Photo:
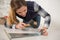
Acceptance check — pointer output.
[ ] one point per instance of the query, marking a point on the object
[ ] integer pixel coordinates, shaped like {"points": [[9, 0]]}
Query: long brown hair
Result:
{"points": [[14, 5]]}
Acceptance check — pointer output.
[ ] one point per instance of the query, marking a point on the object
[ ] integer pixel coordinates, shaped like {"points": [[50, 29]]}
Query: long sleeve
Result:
{"points": [[44, 14]]}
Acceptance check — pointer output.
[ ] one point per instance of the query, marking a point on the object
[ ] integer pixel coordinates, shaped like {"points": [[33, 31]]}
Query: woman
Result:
{"points": [[27, 10]]}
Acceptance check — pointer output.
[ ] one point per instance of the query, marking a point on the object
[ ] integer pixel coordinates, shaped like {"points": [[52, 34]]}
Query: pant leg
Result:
{"points": [[37, 19]]}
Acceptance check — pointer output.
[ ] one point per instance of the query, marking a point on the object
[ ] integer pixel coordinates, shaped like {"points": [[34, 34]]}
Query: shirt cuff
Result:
{"points": [[13, 26], [45, 25]]}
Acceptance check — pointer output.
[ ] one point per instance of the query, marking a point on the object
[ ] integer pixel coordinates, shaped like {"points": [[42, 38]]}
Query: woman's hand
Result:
{"points": [[43, 31], [20, 25]]}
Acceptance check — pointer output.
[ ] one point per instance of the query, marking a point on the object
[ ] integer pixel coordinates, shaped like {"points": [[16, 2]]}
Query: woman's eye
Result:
{"points": [[24, 10], [19, 12]]}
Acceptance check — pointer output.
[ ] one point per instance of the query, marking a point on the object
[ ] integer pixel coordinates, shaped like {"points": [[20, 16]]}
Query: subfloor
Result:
{"points": [[54, 34]]}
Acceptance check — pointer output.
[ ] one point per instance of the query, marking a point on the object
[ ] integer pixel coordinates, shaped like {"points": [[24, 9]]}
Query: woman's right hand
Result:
{"points": [[20, 25]]}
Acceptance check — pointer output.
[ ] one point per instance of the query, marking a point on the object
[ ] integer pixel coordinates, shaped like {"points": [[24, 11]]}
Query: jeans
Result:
{"points": [[37, 19]]}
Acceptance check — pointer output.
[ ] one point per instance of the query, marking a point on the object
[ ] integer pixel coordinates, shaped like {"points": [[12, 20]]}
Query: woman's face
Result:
{"points": [[22, 11]]}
